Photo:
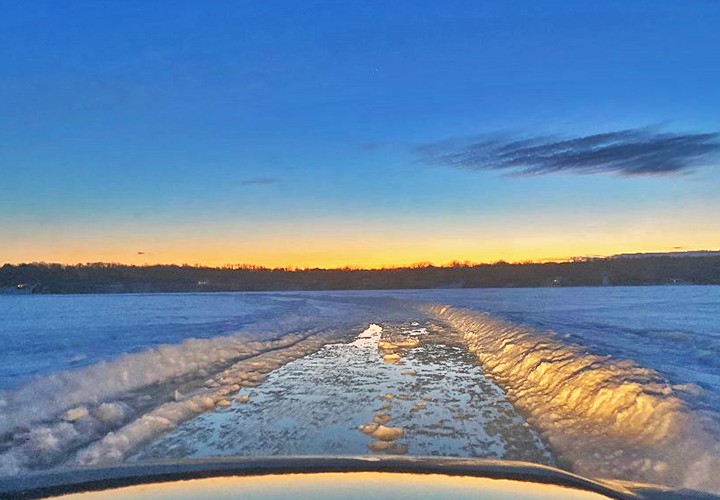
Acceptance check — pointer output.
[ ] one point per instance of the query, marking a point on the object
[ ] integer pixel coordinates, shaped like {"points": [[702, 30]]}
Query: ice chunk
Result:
{"points": [[76, 413]]}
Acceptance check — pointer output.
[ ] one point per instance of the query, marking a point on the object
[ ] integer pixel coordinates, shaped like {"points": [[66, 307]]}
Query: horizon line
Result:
{"points": [[348, 267]]}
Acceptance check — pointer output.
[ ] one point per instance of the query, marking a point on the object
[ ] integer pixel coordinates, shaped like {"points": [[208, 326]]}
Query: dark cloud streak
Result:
{"points": [[635, 152]]}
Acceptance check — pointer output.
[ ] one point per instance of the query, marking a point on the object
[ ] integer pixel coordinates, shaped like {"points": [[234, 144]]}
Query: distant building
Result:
{"points": [[19, 289]]}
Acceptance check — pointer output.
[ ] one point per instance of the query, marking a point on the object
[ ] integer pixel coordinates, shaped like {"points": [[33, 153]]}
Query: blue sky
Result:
{"points": [[287, 133]]}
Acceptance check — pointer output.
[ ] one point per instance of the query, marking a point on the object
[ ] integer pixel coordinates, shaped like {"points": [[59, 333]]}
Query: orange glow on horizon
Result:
{"points": [[360, 243], [341, 258]]}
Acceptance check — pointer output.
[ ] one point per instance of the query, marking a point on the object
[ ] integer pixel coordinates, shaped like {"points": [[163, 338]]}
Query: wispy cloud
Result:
{"points": [[260, 181], [634, 152]]}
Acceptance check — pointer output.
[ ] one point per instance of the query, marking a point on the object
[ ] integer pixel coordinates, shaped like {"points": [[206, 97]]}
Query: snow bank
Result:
{"points": [[605, 417], [108, 409]]}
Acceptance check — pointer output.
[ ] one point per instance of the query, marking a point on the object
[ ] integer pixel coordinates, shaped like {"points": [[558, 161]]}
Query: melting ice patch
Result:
{"points": [[345, 400]]}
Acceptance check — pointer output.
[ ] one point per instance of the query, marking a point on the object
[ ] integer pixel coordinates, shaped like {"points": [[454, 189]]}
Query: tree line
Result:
{"points": [[120, 278]]}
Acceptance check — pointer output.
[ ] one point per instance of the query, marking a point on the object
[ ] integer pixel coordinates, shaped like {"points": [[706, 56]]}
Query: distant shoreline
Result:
{"points": [[211, 292], [651, 270]]}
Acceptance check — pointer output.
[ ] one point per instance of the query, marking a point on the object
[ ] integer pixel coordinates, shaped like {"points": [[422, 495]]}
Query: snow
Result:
{"points": [[620, 382]]}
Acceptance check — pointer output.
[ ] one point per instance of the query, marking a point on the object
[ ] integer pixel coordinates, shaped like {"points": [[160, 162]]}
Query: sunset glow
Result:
{"points": [[332, 244], [280, 147]]}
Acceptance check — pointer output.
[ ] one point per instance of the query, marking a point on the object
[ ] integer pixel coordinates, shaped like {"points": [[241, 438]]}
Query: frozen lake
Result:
{"points": [[632, 373]]}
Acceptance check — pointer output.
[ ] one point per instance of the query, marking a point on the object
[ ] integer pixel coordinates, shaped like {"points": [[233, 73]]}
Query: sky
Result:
{"points": [[367, 133]]}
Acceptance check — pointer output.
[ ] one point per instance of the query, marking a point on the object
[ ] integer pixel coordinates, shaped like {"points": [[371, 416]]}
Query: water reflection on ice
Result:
{"points": [[345, 399]]}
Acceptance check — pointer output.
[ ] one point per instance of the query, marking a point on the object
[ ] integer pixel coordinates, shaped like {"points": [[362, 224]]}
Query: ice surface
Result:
{"points": [[345, 400], [109, 408], [369, 338], [619, 382], [605, 417]]}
